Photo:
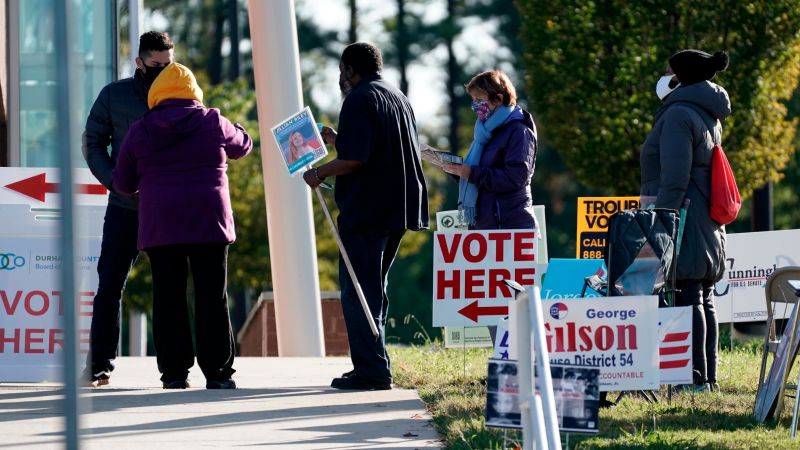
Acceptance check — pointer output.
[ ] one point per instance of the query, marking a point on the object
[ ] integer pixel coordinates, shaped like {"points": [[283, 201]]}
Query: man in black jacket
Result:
{"points": [[118, 105]]}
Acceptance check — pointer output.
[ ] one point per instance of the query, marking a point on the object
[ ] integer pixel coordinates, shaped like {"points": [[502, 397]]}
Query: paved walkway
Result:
{"points": [[282, 403]]}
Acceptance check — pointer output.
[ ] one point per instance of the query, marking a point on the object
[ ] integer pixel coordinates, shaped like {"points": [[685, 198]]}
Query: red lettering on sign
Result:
{"points": [[448, 253], [29, 304], [496, 277], [524, 245], [481, 253], [443, 283], [473, 280], [30, 339], [10, 308], [525, 275], [56, 338], [603, 338], [4, 340], [85, 304], [499, 240]]}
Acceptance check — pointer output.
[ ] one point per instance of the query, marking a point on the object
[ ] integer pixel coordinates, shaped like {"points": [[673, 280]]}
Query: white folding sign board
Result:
{"points": [[31, 304], [469, 268], [614, 334], [751, 258]]}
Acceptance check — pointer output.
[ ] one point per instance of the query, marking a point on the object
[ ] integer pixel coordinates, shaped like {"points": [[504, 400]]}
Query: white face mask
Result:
{"points": [[662, 87]]}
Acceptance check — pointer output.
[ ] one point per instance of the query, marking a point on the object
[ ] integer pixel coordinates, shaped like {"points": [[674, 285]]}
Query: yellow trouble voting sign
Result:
{"points": [[593, 215]]}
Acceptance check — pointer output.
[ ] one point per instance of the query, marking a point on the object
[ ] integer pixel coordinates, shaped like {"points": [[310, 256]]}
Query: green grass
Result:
{"points": [[451, 383]]}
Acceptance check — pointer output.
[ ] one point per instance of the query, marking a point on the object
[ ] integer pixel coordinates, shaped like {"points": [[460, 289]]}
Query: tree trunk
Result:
{"points": [[215, 59], [452, 78], [233, 27], [352, 33], [402, 46]]}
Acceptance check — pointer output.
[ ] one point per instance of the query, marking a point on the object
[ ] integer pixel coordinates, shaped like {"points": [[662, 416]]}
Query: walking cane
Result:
{"points": [[346, 258]]}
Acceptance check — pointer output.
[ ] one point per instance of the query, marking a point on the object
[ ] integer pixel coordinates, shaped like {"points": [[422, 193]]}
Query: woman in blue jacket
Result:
{"points": [[494, 188]]}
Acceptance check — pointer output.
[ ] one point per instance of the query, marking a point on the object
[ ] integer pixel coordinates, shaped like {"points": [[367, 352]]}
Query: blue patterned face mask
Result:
{"points": [[481, 109]]}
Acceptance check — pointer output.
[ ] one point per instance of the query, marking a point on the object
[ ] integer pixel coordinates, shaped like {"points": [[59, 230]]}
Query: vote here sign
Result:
{"points": [[468, 272]]}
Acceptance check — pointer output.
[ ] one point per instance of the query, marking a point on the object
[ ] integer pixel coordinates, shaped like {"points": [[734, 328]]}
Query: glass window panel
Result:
{"points": [[93, 49]]}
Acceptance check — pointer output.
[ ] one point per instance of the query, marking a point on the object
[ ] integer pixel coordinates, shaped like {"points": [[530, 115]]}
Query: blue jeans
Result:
{"points": [[371, 254], [118, 253]]}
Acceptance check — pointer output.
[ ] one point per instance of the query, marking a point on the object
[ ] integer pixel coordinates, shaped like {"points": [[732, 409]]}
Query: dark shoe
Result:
{"points": [[349, 374], [356, 382], [221, 384], [176, 384], [89, 379]]}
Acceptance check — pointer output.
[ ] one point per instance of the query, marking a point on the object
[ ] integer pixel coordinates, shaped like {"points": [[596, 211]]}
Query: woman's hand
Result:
{"points": [[462, 170], [328, 135]]}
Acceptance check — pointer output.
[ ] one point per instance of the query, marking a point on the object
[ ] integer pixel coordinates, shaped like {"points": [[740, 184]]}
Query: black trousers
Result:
{"points": [[212, 327], [371, 254], [699, 294], [118, 253]]}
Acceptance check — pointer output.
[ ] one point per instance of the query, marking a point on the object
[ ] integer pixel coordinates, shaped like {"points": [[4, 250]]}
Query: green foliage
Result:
{"points": [[452, 382], [592, 68]]}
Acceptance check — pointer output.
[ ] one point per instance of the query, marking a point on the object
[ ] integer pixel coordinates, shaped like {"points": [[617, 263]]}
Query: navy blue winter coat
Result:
{"points": [[504, 176]]}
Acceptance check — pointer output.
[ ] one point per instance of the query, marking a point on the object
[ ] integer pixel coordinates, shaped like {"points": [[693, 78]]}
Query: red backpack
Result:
{"points": [[724, 201]]}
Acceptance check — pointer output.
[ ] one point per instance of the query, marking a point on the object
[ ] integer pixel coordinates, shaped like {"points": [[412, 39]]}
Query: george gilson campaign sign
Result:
{"points": [[614, 334], [468, 272]]}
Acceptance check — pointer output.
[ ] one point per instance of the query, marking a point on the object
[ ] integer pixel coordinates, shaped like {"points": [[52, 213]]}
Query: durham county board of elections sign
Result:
{"points": [[751, 259], [593, 215], [615, 334], [468, 272], [31, 303]]}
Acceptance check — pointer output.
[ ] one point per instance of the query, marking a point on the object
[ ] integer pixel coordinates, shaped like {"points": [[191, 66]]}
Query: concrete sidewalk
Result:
{"points": [[281, 403]]}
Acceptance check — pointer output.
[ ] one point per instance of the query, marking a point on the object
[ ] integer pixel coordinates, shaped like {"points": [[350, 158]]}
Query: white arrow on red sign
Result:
{"points": [[37, 186]]}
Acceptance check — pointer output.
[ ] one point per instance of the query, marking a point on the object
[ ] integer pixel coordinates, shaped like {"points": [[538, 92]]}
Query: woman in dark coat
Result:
{"points": [[176, 158], [676, 165], [494, 189]]}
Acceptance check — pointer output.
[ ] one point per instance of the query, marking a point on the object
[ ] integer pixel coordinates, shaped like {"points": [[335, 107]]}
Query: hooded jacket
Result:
{"points": [[504, 174], [675, 161], [175, 157]]}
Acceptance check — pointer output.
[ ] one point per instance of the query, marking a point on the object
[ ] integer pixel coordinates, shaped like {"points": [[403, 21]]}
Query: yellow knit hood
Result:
{"points": [[176, 81]]}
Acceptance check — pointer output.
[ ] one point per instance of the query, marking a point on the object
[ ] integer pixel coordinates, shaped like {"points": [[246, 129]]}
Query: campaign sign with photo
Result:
{"points": [[576, 391], [577, 395], [469, 268], [614, 334], [502, 395], [299, 141], [750, 260]]}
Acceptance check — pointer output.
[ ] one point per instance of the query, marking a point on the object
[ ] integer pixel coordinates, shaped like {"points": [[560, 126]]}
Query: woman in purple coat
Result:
{"points": [[175, 158], [494, 189]]}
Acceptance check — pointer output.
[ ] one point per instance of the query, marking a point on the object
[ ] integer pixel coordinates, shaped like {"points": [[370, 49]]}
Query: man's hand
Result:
{"points": [[328, 135], [462, 170], [312, 178]]}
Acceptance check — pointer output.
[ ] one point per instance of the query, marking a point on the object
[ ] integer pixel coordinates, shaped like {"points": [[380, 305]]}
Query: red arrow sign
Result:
{"points": [[473, 311], [36, 187]]}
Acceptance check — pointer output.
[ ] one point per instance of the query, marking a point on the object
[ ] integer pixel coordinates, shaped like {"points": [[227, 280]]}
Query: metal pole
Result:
{"points": [[543, 368], [353, 278], [135, 21], [65, 79], [290, 219]]}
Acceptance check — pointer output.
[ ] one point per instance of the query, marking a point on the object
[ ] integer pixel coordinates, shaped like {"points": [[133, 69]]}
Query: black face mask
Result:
{"points": [[151, 74]]}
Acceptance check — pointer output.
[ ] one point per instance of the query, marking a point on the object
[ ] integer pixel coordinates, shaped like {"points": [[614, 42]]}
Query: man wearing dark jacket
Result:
{"points": [[380, 192], [118, 105]]}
